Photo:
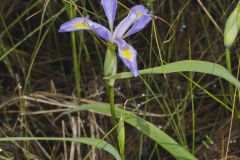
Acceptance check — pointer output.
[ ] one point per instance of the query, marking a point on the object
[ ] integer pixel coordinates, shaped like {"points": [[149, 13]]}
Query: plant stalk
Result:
{"points": [[111, 102], [229, 67], [110, 68], [228, 59]]}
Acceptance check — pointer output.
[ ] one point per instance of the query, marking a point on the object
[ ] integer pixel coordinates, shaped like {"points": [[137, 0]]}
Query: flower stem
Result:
{"points": [[110, 68], [111, 102], [228, 59], [229, 67]]}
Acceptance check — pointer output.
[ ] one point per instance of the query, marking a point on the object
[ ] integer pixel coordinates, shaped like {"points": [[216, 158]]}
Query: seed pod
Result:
{"points": [[110, 64], [232, 27]]}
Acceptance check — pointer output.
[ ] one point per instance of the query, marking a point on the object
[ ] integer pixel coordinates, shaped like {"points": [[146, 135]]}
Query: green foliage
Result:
{"points": [[99, 143], [185, 66], [150, 130]]}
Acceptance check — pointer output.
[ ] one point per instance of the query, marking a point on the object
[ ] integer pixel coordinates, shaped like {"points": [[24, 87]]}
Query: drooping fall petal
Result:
{"points": [[80, 23], [101, 31], [75, 24], [128, 55]]}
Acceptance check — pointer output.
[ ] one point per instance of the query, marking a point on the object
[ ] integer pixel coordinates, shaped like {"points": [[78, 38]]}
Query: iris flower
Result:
{"points": [[135, 21]]}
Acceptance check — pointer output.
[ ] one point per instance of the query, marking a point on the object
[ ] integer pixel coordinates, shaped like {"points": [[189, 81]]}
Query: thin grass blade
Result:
{"points": [[99, 143]]}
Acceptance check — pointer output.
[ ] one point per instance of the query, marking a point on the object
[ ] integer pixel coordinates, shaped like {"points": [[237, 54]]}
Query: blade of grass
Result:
{"points": [[99, 143], [30, 34], [185, 66], [19, 17], [76, 69], [121, 137], [34, 55]]}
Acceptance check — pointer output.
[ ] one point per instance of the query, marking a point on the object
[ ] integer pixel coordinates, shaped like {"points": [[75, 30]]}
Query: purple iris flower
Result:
{"points": [[136, 20]]}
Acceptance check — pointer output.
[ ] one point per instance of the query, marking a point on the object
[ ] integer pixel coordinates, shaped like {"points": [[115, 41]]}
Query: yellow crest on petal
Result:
{"points": [[139, 15], [80, 25], [127, 54]]}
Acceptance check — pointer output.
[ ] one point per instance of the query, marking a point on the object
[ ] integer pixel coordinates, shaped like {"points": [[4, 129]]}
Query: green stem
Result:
{"points": [[112, 106], [228, 59], [229, 67], [110, 68]]}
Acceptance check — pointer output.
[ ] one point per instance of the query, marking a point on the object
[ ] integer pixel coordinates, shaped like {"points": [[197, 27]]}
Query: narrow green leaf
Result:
{"points": [[121, 136], [99, 143], [232, 27], [156, 134], [185, 66]]}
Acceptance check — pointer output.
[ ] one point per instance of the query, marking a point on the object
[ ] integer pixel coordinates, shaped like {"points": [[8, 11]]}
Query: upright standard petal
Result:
{"points": [[101, 31], [110, 8], [143, 19], [124, 25], [75, 24], [128, 55]]}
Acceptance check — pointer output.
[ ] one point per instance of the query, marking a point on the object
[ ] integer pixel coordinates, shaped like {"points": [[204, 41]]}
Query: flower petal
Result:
{"points": [[142, 20], [75, 24], [110, 7], [138, 25], [101, 31], [124, 25], [128, 55], [80, 23], [140, 9]]}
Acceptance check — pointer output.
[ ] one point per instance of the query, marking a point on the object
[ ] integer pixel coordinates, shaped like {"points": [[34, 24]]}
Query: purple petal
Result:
{"points": [[101, 31], [128, 55], [110, 7], [143, 18], [140, 9], [124, 25], [121, 43], [75, 24], [139, 25]]}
